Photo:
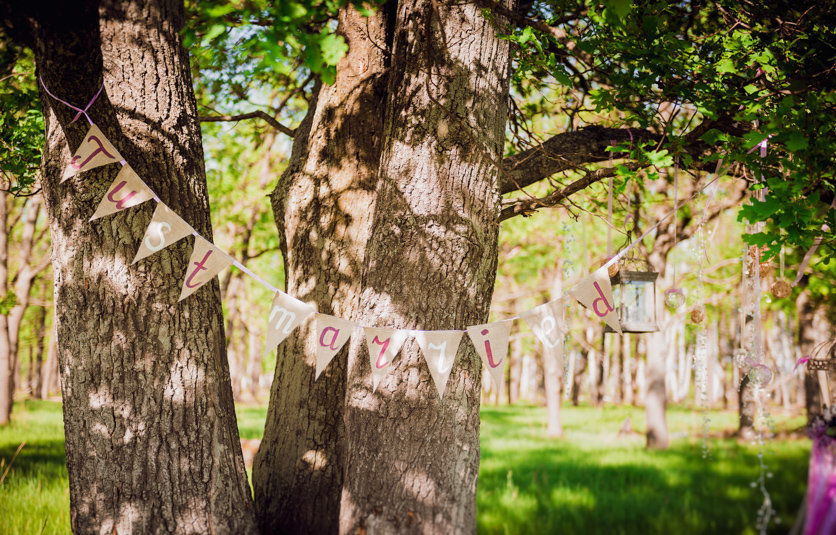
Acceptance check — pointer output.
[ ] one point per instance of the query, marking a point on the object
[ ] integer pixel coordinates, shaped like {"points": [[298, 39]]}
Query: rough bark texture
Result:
{"points": [[412, 461], [151, 438], [387, 215], [322, 209]]}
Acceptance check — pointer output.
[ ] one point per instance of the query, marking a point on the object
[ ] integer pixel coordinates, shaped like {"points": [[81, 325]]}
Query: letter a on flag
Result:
{"points": [[331, 335], [595, 293], [126, 191], [165, 228], [439, 348], [94, 151], [286, 313], [206, 262], [384, 345], [491, 342], [547, 323]]}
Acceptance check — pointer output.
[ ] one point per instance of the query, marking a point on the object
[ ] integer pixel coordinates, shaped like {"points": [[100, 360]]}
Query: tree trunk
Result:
{"points": [[629, 382], [36, 364], [151, 438], [807, 340], [6, 362], [50, 380]]}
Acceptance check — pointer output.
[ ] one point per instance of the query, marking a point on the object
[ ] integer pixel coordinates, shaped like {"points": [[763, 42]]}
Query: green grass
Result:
{"points": [[589, 482]]}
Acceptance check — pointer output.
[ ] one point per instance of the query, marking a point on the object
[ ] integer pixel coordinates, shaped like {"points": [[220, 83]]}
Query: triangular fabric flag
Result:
{"points": [[595, 293], [94, 151], [165, 228], [384, 345], [491, 342], [286, 313], [331, 335], [439, 348], [547, 323], [206, 262], [126, 191]]}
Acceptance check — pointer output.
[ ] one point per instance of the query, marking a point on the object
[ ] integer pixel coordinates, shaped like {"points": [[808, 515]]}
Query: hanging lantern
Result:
{"points": [[634, 293]]}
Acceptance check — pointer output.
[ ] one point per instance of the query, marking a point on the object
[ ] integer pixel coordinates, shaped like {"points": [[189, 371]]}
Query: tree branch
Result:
{"points": [[252, 115], [526, 206]]}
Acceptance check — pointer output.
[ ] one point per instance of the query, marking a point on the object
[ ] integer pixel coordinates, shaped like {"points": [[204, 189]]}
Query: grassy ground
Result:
{"points": [[592, 481]]}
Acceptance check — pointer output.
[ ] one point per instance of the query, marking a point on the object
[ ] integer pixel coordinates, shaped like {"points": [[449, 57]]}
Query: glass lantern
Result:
{"points": [[634, 293]]}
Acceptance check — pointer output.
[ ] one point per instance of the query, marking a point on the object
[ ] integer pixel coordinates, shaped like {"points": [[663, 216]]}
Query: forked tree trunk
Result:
{"points": [[387, 215], [151, 438]]}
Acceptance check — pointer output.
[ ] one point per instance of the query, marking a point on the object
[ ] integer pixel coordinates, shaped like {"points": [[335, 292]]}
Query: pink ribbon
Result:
{"points": [[802, 360], [79, 110]]}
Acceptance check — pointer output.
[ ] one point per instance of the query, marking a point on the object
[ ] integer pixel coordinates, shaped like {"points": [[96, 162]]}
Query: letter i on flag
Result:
{"points": [[439, 348], [206, 262], [126, 191], [384, 345], [595, 293], [94, 151], [547, 323], [491, 342], [165, 228], [286, 313], [331, 335]]}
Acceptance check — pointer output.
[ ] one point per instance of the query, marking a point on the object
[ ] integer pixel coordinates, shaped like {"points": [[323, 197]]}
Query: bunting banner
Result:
{"points": [[206, 262], [595, 293], [126, 191], [384, 345], [491, 342], [94, 151], [546, 321], [439, 349], [165, 228], [331, 335], [286, 313]]}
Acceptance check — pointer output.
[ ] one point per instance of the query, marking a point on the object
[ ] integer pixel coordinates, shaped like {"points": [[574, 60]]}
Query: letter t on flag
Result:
{"points": [[206, 262], [595, 293], [491, 342]]}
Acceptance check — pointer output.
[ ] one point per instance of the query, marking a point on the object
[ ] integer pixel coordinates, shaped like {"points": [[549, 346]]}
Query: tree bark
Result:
{"points": [[151, 438], [807, 340]]}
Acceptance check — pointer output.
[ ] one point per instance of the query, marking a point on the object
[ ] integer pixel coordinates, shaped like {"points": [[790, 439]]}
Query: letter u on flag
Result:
{"points": [[331, 335], [126, 191], [491, 342], [384, 345], [94, 151], [165, 228], [206, 262], [439, 348], [547, 323], [595, 293], [286, 313]]}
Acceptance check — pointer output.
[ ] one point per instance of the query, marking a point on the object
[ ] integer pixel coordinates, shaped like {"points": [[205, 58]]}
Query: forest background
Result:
{"points": [[250, 85]]}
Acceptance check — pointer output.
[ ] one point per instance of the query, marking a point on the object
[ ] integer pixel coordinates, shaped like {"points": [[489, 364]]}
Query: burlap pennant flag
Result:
{"points": [[491, 342], [165, 228], [286, 313], [206, 262], [595, 293], [331, 335], [126, 191], [94, 151], [547, 323], [384, 345], [439, 349]]}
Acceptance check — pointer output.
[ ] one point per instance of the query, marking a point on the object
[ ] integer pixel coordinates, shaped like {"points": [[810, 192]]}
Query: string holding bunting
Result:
{"points": [[126, 191], [95, 151], [206, 262], [165, 228]]}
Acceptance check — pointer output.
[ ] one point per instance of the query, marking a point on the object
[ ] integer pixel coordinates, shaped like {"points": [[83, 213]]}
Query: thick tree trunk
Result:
{"points": [[322, 209], [151, 438]]}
